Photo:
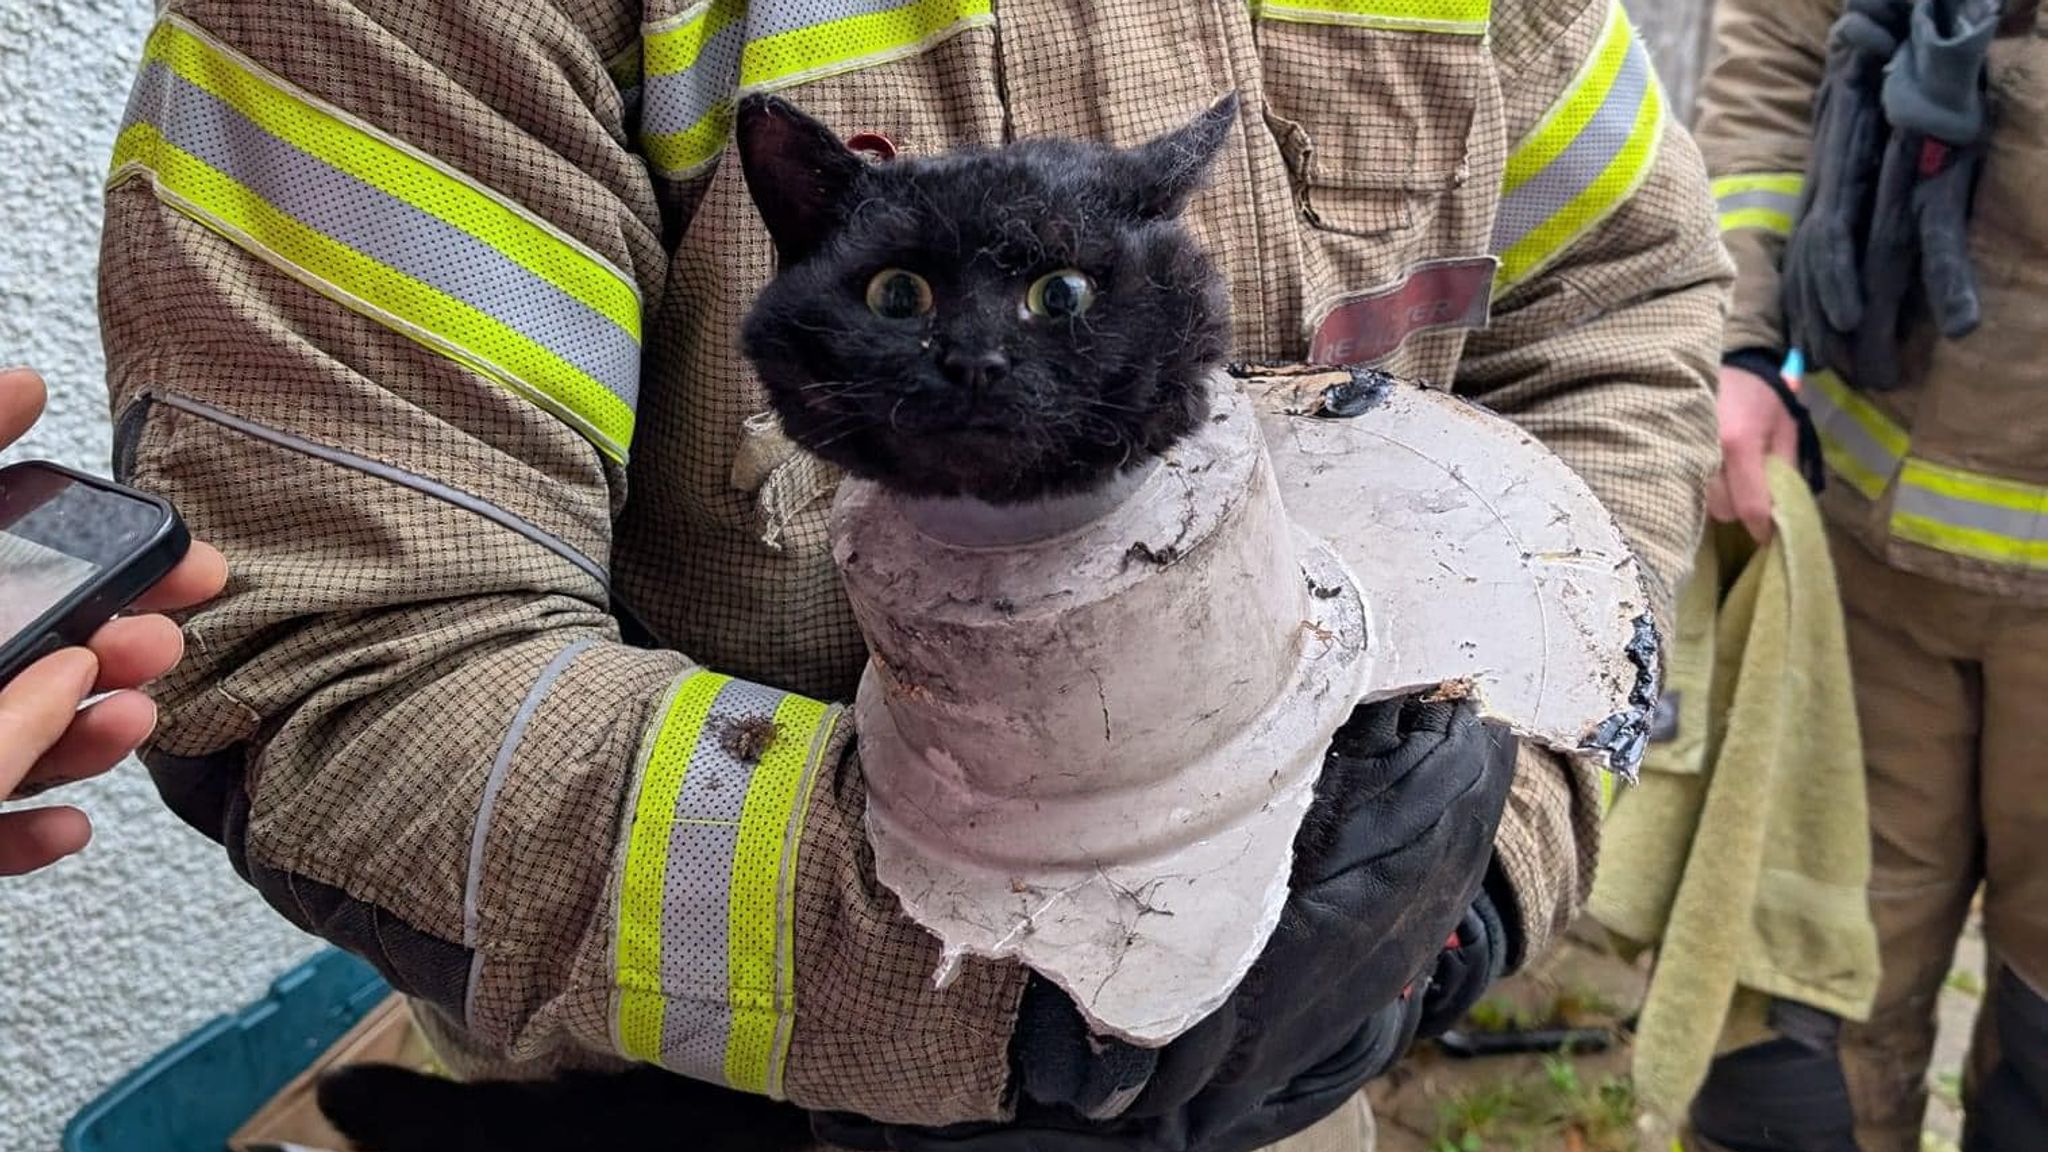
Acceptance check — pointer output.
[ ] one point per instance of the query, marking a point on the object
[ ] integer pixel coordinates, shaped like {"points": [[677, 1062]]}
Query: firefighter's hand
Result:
{"points": [[1387, 864], [45, 740], [1754, 425]]}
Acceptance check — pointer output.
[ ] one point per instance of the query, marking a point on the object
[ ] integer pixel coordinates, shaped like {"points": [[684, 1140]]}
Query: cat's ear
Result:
{"points": [[800, 175], [1166, 171]]}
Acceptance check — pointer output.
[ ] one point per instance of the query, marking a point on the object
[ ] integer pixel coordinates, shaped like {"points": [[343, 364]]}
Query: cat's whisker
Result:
{"points": [[1099, 402], [828, 441]]}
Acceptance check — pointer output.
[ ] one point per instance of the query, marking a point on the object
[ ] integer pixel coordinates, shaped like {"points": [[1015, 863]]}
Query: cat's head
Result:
{"points": [[1002, 324]]}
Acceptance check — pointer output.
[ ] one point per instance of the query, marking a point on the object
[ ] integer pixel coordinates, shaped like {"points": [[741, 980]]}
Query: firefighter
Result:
{"points": [[425, 311], [1877, 166]]}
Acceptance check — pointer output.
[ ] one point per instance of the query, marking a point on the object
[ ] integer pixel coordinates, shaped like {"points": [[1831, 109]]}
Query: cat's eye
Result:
{"points": [[894, 294], [1061, 295]]}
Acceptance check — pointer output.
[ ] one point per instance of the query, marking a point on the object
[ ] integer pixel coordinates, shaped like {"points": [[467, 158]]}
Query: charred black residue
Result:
{"points": [[1624, 735], [1642, 652], [1366, 389], [1162, 556]]}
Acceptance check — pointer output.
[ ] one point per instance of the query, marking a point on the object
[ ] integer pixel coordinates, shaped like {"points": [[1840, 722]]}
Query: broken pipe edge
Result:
{"points": [[1622, 738], [1618, 743]]}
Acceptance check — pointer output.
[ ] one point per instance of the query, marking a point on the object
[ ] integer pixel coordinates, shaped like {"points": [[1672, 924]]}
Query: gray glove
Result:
{"points": [[1934, 98], [1908, 81], [1823, 267]]}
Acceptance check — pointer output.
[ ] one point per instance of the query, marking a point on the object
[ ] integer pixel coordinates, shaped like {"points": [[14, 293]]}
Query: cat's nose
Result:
{"points": [[975, 371]]}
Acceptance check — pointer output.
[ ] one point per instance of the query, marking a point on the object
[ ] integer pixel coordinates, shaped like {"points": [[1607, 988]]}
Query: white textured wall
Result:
{"points": [[115, 953]]}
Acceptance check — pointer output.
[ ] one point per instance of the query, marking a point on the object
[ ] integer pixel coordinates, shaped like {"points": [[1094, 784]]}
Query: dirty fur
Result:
{"points": [[980, 396], [1050, 406]]}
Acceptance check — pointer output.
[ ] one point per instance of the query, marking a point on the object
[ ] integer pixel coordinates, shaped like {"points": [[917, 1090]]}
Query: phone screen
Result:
{"points": [[56, 536]]}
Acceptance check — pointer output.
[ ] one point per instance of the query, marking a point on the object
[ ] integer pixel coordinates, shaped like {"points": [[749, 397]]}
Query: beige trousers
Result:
{"points": [[1952, 696]]}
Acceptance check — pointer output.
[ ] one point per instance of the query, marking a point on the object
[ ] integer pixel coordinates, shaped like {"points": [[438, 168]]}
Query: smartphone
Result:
{"points": [[74, 551]]}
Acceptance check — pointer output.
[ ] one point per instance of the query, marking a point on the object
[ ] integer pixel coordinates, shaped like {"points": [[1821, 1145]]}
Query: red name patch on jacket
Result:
{"points": [[1372, 325]]}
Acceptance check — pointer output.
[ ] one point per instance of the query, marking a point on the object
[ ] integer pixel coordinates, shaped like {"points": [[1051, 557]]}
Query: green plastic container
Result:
{"points": [[193, 1095]]}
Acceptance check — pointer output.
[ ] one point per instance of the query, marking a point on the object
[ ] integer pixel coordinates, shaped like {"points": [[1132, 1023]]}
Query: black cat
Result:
{"points": [[1002, 324]]}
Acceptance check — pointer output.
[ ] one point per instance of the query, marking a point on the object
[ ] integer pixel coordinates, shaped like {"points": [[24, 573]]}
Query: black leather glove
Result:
{"points": [[1387, 865], [1474, 959]]}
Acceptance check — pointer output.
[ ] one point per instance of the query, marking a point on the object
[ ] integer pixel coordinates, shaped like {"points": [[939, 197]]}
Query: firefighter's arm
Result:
{"points": [[1755, 130], [1603, 341], [373, 287]]}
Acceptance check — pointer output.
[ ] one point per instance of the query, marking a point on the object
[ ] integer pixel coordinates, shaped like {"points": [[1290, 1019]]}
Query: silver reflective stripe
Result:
{"points": [[697, 896], [1584, 160], [2011, 523], [386, 229], [383, 471], [487, 806], [1758, 198], [1842, 432], [677, 100]]}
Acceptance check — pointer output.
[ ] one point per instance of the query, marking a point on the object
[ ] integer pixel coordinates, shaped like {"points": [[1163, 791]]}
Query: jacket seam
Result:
{"points": [[395, 475]]}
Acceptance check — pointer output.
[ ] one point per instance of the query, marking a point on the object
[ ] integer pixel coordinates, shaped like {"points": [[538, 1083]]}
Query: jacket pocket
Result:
{"points": [[1374, 123]]}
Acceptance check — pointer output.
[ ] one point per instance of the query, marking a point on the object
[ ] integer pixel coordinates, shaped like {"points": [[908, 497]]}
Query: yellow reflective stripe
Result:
{"points": [[1587, 156], [1567, 119], [1610, 122], [678, 154], [1876, 424], [1838, 460], [1763, 201], [327, 133], [688, 115], [642, 1002], [1954, 510], [706, 949], [853, 42], [696, 63], [761, 956], [1761, 219], [464, 334], [384, 230], [1455, 17], [674, 45], [1974, 486], [1972, 542], [1972, 514], [1782, 183], [1858, 443]]}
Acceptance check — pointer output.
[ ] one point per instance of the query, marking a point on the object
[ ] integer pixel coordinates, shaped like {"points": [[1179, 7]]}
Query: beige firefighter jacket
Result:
{"points": [[424, 311], [1948, 476]]}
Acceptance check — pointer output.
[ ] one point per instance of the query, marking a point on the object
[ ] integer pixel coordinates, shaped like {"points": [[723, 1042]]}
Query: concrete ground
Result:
{"points": [[1434, 1103]]}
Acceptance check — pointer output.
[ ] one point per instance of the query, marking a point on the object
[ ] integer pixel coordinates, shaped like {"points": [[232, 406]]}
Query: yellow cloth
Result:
{"points": [[1743, 855]]}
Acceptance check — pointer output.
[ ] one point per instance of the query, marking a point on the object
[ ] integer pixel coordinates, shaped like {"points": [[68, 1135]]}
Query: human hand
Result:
{"points": [[1388, 863], [1754, 425], [45, 738]]}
